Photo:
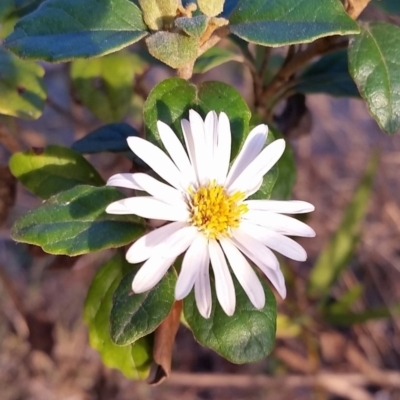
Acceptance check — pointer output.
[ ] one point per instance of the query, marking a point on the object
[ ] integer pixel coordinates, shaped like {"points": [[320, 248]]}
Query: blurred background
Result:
{"points": [[339, 328]]}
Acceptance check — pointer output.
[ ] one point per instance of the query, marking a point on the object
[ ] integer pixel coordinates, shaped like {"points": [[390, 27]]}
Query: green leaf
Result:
{"points": [[390, 6], [374, 63], [171, 100], [6, 7], [194, 26], [105, 84], [283, 22], [337, 253], [22, 89], [247, 336], [173, 49], [134, 316], [330, 74], [348, 318], [213, 58], [283, 187], [133, 360], [159, 13], [46, 172], [211, 8], [62, 30], [75, 222], [111, 137]]}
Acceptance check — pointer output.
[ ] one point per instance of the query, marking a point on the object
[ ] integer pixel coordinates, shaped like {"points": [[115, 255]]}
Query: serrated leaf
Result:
{"points": [[374, 63], [133, 360], [159, 13], [211, 8], [337, 253], [330, 74], [213, 58], [105, 84], [62, 30], [283, 22], [46, 172], [22, 88], [171, 100], [75, 222], [194, 26], [111, 137], [173, 49], [134, 316], [247, 336]]}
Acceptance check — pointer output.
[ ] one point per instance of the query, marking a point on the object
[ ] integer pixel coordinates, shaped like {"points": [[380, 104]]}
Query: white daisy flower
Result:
{"points": [[210, 218]]}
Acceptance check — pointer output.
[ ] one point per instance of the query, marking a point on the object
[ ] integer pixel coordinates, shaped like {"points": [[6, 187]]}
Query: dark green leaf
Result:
{"points": [[61, 30], [133, 360], [75, 222], [390, 6], [171, 100], [194, 26], [287, 174], [337, 253], [247, 336], [22, 89], [111, 137], [52, 170], [105, 84], [330, 74], [6, 7], [283, 22], [173, 49], [134, 316], [374, 63], [213, 58]]}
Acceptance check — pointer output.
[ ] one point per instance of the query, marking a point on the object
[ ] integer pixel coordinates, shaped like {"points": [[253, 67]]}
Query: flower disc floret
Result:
{"points": [[214, 212]]}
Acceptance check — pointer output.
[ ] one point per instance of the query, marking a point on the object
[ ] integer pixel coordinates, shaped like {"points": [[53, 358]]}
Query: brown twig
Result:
{"points": [[317, 48]]}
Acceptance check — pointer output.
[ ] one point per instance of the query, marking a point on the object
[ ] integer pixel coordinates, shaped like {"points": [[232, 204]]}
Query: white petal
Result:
{"points": [[177, 242], [210, 129], [163, 256], [280, 243], [158, 161], [285, 207], [151, 273], [176, 151], [279, 223], [142, 249], [274, 275], [259, 166], [223, 150], [197, 129], [223, 280], [202, 289], [253, 187], [148, 207], [255, 250], [193, 262], [244, 274], [123, 180], [159, 190], [252, 146], [188, 137]]}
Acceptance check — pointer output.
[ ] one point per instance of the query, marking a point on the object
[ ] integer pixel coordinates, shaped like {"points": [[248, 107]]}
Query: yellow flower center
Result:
{"points": [[214, 212]]}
